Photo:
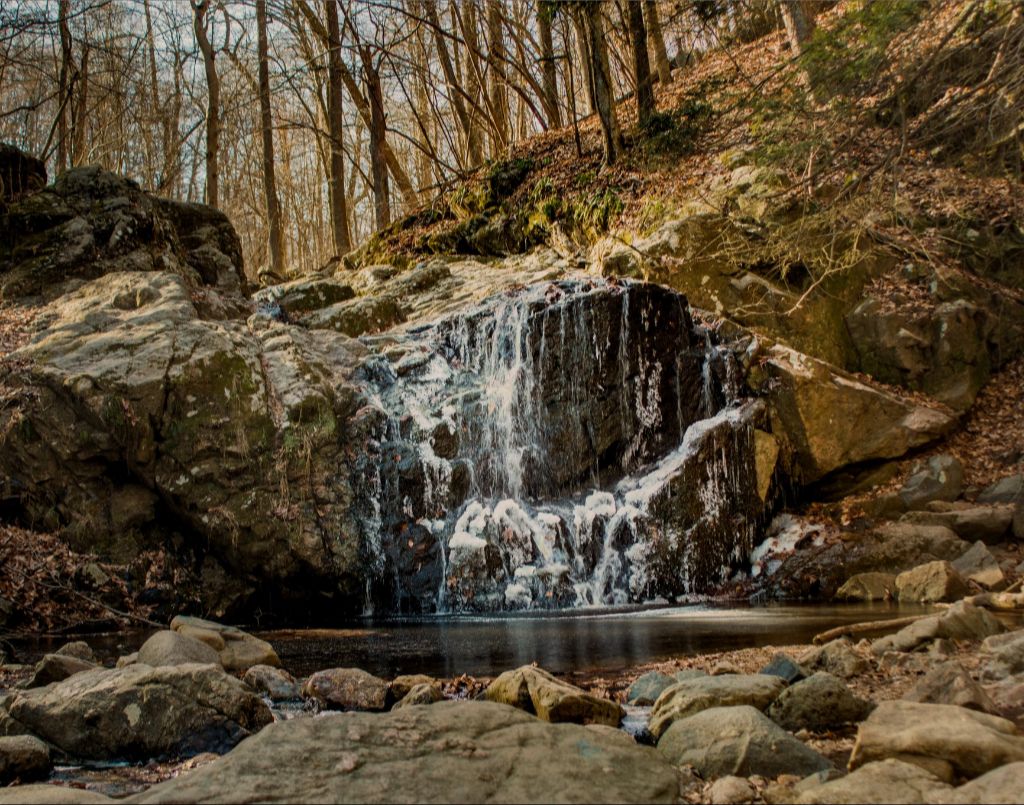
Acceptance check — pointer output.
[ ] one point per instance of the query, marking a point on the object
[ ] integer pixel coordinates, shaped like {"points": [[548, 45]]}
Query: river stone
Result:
{"points": [[885, 781], [420, 694], [833, 419], [239, 652], [819, 703], [979, 565], [402, 684], [989, 524], [449, 752], [868, 587], [347, 689], [646, 688], [536, 691], [276, 683], [962, 621], [731, 790], [56, 667], [935, 581], [785, 668], [684, 699], [23, 758], [1006, 655], [139, 712], [837, 658], [170, 648], [78, 649], [940, 479], [43, 794], [1002, 785], [942, 739], [738, 740], [949, 683]]}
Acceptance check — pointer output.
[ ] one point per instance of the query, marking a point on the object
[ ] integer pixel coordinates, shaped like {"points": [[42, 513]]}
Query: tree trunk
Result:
{"points": [[799, 26], [79, 109], [499, 90], [212, 106], [549, 68], [335, 126], [583, 45], [63, 84], [656, 39], [473, 75], [601, 81], [378, 129], [269, 179], [645, 106]]}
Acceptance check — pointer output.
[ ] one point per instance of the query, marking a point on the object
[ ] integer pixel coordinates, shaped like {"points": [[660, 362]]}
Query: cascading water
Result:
{"points": [[569, 444]]}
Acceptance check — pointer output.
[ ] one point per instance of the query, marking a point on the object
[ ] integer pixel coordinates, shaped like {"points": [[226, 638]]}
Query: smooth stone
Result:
{"points": [[276, 683], [23, 758], [784, 667], [837, 658], [171, 648], [737, 740], [448, 752], [140, 712], [943, 739], [931, 582], [78, 649], [347, 689], [43, 794], [820, 702], [427, 693], [401, 685], [979, 565], [56, 668], [962, 621], [646, 688], [949, 683], [536, 691], [874, 586], [241, 651], [882, 782], [687, 698], [731, 790]]}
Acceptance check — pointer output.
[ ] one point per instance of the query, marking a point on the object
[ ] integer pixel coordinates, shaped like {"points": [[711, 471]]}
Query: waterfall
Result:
{"points": [[569, 444]]}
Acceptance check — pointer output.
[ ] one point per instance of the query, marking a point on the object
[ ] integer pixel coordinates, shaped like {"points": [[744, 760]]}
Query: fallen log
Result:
{"points": [[867, 627]]}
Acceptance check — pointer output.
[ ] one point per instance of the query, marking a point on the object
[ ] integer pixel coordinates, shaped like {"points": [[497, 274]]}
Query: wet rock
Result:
{"points": [[536, 691], [949, 683], [347, 689], [685, 699], [368, 314], [833, 419], [1006, 655], [43, 794], [23, 758], [962, 621], [940, 479], [403, 684], [420, 694], [56, 667], [990, 524], [935, 581], [1001, 785], [78, 649], [737, 740], [237, 650], [646, 688], [979, 565], [141, 712], [731, 790], [276, 683], [885, 781], [837, 658], [942, 739], [470, 751], [868, 587], [170, 648], [303, 295], [784, 667], [819, 703]]}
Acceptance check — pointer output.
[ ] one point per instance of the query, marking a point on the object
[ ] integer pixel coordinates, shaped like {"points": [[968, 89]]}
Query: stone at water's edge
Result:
{"points": [[347, 689], [448, 752], [170, 648], [536, 691], [689, 697], [236, 650]]}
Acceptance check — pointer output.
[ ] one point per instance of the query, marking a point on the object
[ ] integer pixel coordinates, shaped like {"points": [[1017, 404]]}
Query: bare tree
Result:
{"points": [[656, 41], [200, 8], [335, 124], [545, 11], [592, 23], [276, 245], [645, 106]]}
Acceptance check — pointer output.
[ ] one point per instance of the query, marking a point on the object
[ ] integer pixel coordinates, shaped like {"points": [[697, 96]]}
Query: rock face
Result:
{"points": [[942, 739], [737, 740], [818, 703], [347, 689], [23, 758], [691, 696], [139, 712], [450, 751], [536, 691]]}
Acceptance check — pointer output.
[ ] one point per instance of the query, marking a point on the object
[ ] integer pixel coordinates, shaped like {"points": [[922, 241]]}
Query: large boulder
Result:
{"points": [[832, 419], [236, 650], [451, 751], [170, 648], [139, 712], [882, 782], [691, 696], [873, 586], [737, 740], [536, 691], [23, 758], [819, 703], [942, 739], [935, 581], [347, 689]]}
